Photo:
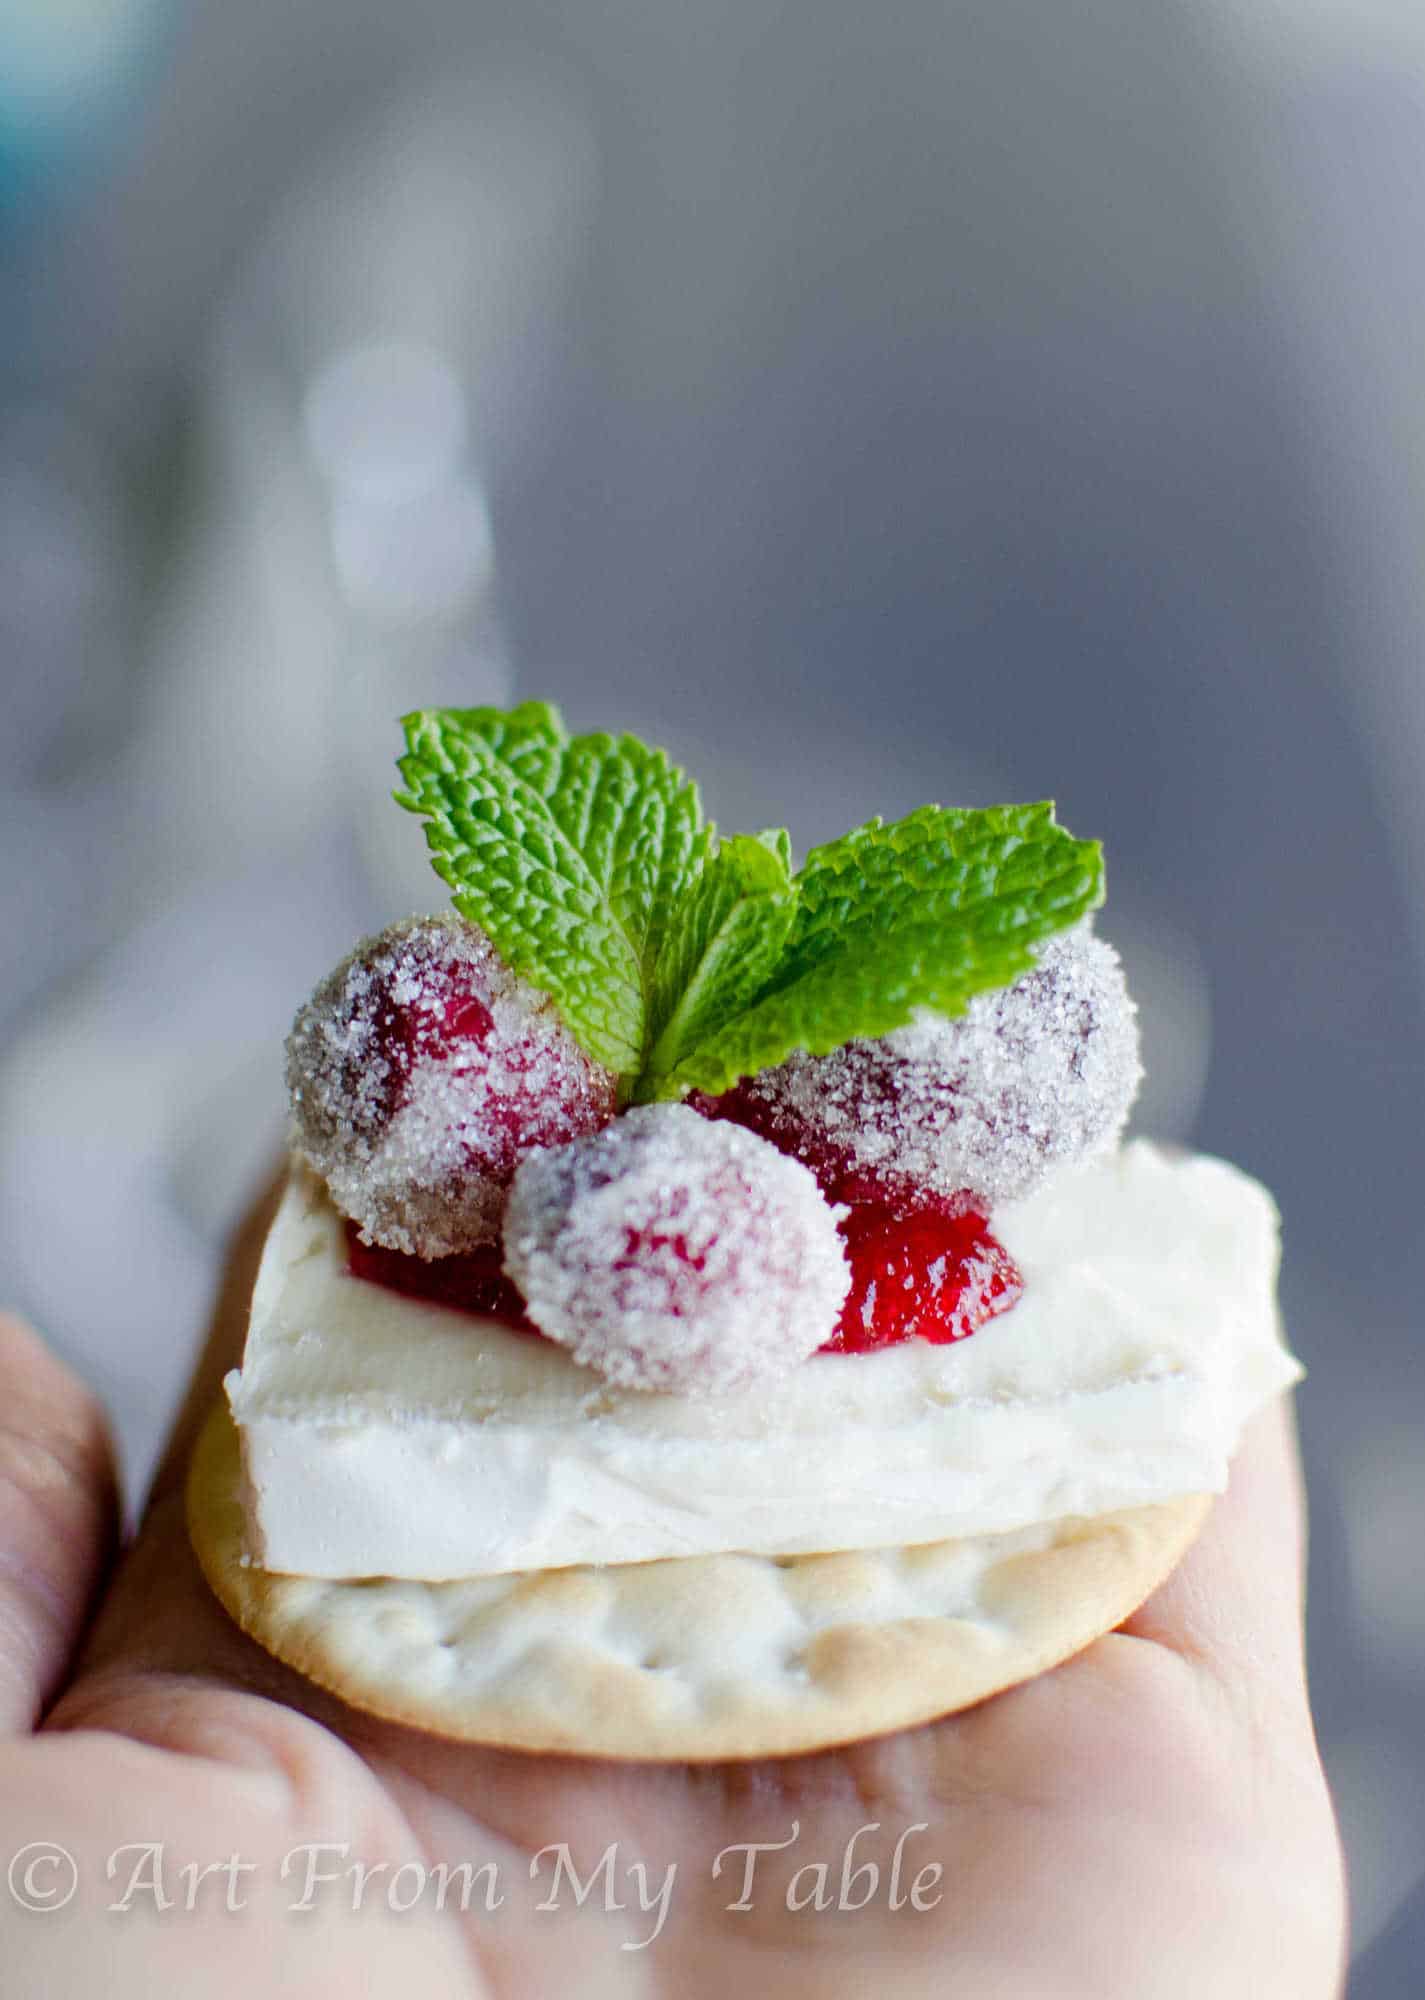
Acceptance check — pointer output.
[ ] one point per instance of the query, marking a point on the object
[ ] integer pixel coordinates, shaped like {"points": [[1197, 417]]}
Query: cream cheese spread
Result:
{"points": [[383, 1435]]}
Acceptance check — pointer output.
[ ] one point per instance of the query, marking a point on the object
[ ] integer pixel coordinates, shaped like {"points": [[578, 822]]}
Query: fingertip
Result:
{"points": [[43, 1392], [59, 1516]]}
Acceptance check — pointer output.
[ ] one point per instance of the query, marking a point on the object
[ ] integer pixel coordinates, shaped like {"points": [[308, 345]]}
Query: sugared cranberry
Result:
{"points": [[1031, 1075], [929, 1274], [421, 1072], [674, 1253]]}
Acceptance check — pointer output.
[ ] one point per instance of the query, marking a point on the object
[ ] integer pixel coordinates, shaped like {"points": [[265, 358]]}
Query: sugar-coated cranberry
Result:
{"points": [[421, 1072], [670, 1252], [1031, 1075]]}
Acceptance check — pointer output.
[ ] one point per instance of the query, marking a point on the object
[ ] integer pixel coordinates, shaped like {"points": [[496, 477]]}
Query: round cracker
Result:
{"points": [[699, 1657]]}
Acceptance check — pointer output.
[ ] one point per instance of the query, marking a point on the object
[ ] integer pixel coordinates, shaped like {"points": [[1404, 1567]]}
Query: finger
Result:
{"points": [[159, 1612], [1235, 1603], [58, 1519]]}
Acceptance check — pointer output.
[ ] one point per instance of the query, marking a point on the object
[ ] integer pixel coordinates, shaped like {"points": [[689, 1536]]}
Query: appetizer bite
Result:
{"points": [[714, 1310]]}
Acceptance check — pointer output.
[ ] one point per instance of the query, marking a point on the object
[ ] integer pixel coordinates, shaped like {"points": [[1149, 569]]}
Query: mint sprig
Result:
{"points": [[685, 963]]}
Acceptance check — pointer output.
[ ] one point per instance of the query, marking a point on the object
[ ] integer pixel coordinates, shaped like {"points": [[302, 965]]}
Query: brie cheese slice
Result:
{"points": [[383, 1435]]}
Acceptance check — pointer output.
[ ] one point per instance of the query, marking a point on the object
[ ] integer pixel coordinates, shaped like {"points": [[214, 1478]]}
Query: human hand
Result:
{"points": [[1149, 1820]]}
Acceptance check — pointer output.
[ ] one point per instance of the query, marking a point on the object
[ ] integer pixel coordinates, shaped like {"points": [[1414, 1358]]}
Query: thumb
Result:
{"points": [[58, 1520]]}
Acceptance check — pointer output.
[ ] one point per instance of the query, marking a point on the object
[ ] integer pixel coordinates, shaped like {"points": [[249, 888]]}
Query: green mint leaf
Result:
{"points": [[570, 852], [892, 920], [530, 738], [721, 947], [638, 823], [777, 841]]}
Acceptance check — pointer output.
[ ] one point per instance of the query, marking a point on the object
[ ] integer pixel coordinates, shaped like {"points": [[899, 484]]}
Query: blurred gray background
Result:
{"points": [[998, 399]]}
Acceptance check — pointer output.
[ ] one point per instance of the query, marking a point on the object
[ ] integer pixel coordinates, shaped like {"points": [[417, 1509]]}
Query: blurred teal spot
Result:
{"points": [[70, 70]]}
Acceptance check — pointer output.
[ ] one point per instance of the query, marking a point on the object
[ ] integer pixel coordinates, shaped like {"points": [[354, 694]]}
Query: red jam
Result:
{"points": [[925, 1274], [931, 1274], [472, 1280]]}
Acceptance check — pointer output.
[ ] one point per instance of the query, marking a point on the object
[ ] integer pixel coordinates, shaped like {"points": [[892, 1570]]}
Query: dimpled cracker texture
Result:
{"points": [[693, 1658]]}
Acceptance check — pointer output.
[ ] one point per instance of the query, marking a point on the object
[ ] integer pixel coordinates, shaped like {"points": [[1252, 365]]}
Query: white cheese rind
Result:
{"points": [[383, 1436]]}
